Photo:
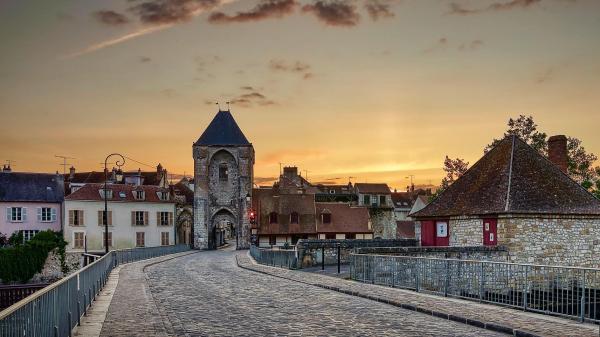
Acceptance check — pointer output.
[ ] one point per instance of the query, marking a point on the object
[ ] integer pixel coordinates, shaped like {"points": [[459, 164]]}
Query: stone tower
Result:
{"points": [[223, 177]]}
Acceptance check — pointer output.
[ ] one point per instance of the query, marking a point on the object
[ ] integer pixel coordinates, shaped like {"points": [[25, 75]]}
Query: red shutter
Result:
{"points": [[490, 233], [427, 233]]}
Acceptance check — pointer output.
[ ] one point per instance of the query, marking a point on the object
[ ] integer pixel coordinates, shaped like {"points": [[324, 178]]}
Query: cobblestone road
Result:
{"points": [[207, 294]]}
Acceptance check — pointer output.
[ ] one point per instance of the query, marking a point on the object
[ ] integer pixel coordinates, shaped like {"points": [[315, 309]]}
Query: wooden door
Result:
{"points": [[427, 233], [490, 235], [442, 233]]}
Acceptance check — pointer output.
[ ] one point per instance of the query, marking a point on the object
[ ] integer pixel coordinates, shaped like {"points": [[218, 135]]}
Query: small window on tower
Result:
{"points": [[294, 218], [223, 172]]}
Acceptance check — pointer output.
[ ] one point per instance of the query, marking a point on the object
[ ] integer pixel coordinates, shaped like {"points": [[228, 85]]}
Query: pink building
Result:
{"points": [[30, 202]]}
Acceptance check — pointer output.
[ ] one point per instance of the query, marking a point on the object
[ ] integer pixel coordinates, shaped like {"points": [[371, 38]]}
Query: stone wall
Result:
{"points": [[310, 251], [555, 240], [383, 222], [465, 231], [52, 270], [480, 253]]}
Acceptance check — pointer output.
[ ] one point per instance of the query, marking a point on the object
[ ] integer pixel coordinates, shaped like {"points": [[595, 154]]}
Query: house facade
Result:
{"points": [[517, 198], [138, 216], [30, 202]]}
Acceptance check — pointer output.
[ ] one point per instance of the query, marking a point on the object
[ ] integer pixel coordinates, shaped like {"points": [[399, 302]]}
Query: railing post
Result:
{"points": [[323, 257], [582, 313], [338, 256], [447, 279], [526, 288], [70, 323], [481, 283], [417, 268], [394, 271]]}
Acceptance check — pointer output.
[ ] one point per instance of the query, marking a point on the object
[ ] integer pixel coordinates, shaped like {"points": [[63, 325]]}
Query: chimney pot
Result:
{"points": [[557, 151]]}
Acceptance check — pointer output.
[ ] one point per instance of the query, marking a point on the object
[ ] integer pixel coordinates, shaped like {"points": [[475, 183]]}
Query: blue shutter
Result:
{"points": [[24, 214], [8, 213], [39, 214], [53, 214]]}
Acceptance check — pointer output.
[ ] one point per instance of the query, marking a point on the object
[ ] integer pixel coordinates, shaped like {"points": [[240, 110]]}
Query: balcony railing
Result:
{"points": [[555, 290], [274, 257], [56, 310]]}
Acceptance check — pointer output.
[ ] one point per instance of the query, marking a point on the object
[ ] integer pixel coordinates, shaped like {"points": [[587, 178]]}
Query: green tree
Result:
{"points": [[454, 169]]}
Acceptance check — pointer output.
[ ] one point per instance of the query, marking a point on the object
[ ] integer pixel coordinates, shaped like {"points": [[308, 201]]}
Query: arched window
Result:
{"points": [[294, 218], [272, 217], [326, 216], [223, 172]]}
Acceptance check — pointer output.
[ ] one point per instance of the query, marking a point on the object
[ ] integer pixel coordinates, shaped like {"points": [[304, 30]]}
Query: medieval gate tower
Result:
{"points": [[223, 177]]}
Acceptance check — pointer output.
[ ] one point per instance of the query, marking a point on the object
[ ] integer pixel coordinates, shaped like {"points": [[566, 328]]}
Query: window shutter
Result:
{"points": [[24, 214], [133, 218], [71, 217], [170, 218], [80, 218], [145, 218], [8, 213], [39, 214], [110, 222], [53, 214], [158, 219], [100, 222]]}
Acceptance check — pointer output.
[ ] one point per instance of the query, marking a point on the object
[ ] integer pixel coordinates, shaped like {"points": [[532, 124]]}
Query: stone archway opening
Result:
{"points": [[222, 229]]}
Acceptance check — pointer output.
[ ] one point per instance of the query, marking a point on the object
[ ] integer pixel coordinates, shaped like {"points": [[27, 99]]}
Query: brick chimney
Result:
{"points": [[290, 172], [71, 173], [557, 151]]}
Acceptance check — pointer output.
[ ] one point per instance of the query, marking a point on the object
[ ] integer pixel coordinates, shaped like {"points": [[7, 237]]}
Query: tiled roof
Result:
{"points": [[266, 201], [223, 130], [181, 189], [121, 192], [513, 178], [402, 199], [368, 188], [344, 218], [38, 187], [150, 177]]}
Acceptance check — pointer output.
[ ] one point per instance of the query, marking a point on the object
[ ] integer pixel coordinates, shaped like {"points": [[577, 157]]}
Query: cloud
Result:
{"points": [[158, 12], [110, 18], [262, 180], [441, 44], [458, 9], [470, 46], [145, 59], [251, 97], [379, 9], [334, 12], [202, 62], [293, 67], [264, 10]]}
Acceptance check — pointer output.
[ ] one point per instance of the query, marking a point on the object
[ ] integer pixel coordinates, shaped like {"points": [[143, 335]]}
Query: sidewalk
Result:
{"points": [[491, 317]]}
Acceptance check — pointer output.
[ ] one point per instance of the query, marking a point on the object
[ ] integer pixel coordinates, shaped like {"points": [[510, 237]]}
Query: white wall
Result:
{"points": [[123, 233]]}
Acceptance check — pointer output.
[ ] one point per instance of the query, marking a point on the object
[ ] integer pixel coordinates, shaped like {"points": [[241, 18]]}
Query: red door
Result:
{"points": [[490, 237], [427, 233], [442, 233]]}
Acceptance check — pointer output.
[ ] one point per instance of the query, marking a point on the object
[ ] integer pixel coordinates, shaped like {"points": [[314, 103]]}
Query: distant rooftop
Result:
{"points": [[33, 187]]}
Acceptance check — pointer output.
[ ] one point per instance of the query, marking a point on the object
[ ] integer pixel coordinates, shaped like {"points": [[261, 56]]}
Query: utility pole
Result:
{"points": [[412, 186], [306, 174], [64, 164]]}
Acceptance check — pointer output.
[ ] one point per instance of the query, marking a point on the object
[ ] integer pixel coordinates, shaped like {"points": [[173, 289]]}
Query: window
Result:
{"points": [[331, 191], [272, 218], [16, 214], [106, 192], [272, 240], [382, 200], [326, 217], [28, 234], [330, 236], [138, 195], [294, 218], [76, 217], [110, 242], [102, 218], [122, 194], [140, 239], [163, 195], [78, 240], [223, 172], [46, 214], [164, 238], [366, 199], [351, 236], [164, 218], [139, 218]]}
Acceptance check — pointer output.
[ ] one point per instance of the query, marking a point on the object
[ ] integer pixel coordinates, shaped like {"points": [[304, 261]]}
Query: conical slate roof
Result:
{"points": [[513, 178], [223, 130]]}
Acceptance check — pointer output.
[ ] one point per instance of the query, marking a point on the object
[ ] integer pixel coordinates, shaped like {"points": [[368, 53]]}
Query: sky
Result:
{"points": [[376, 90]]}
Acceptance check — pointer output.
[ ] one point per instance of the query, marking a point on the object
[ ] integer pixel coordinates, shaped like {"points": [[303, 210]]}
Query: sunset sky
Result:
{"points": [[372, 89]]}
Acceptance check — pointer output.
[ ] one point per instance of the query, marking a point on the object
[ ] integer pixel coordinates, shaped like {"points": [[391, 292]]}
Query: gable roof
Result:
{"points": [[344, 218], [369, 188], [223, 130], [91, 192], [38, 187], [513, 178]]}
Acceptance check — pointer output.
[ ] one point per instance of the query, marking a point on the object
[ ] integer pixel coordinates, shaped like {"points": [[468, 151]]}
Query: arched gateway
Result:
{"points": [[223, 175]]}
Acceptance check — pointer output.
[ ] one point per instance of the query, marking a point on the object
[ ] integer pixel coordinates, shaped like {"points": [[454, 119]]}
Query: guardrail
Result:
{"points": [[554, 290], [10, 294], [55, 310], [277, 258]]}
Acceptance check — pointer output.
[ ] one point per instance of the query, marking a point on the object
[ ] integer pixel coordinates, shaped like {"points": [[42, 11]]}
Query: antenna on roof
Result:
{"points": [[350, 179], [64, 164], [218, 105], [228, 108], [306, 174], [280, 168]]}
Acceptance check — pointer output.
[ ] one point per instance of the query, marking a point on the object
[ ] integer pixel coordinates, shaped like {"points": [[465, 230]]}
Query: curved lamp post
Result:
{"points": [[119, 163]]}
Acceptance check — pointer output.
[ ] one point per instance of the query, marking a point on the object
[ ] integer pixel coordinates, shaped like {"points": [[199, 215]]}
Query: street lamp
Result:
{"points": [[119, 163]]}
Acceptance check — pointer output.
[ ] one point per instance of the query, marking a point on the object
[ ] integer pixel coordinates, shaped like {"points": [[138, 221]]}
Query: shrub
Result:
{"points": [[21, 261]]}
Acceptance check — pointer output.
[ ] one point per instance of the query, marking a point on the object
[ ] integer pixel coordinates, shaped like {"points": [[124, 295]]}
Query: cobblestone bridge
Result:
{"points": [[207, 294]]}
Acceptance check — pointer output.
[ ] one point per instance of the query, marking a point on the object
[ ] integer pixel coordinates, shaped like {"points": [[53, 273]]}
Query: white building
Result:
{"points": [[138, 216]]}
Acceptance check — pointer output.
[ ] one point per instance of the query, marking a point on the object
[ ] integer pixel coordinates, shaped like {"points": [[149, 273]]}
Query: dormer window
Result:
{"points": [[122, 195], [272, 218], [331, 191], [223, 172], [163, 195], [106, 193], [326, 217], [294, 218], [139, 195]]}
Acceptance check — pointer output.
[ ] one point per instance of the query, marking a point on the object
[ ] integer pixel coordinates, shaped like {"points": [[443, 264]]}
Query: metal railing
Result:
{"points": [[276, 258], [55, 310], [554, 290]]}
